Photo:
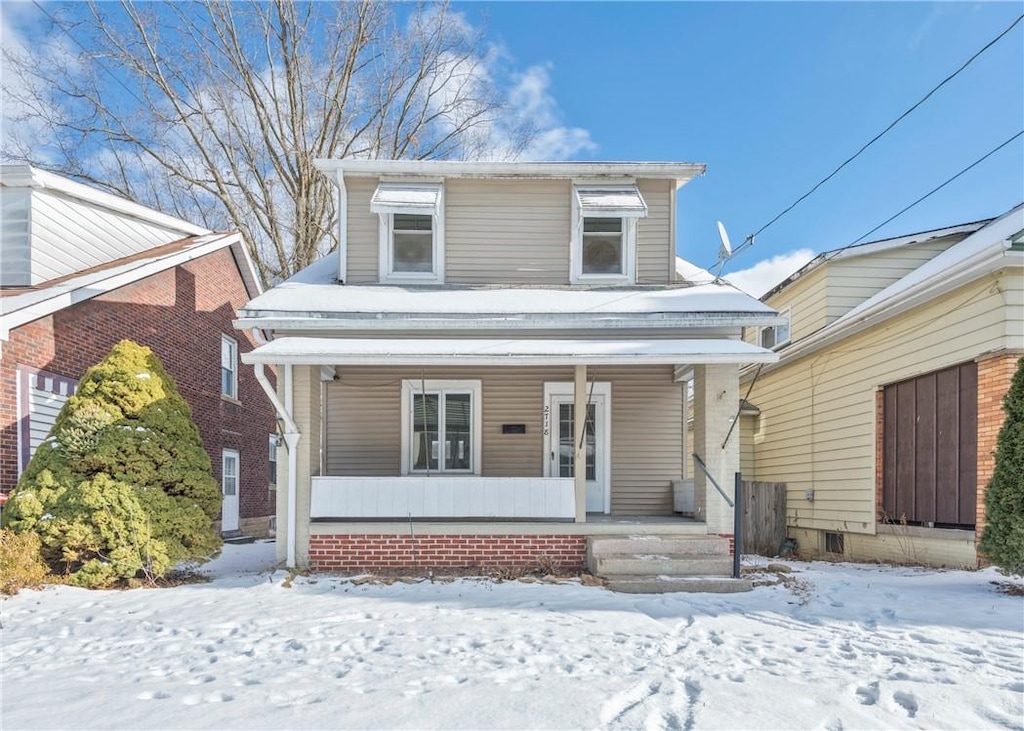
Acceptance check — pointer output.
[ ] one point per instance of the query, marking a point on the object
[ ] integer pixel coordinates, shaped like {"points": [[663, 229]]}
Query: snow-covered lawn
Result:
{"points": [[863, 647]]}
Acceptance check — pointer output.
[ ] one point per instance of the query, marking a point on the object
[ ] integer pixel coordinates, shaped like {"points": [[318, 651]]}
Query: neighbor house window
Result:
{"points": [[228, 367], [273, 459], [604, 233], [441, 425], [775, 336], [411, 232]]}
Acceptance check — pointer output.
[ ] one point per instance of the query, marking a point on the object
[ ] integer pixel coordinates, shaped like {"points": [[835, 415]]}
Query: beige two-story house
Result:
{"points": [[432, 368]]}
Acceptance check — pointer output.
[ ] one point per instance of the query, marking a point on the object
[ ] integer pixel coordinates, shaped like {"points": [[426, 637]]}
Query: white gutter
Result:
{"points": [[458, 321], [680, 171], [291, 440]]}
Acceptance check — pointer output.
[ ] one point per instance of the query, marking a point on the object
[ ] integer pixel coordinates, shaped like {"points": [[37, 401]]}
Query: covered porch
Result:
{"points": [[471, 438]]}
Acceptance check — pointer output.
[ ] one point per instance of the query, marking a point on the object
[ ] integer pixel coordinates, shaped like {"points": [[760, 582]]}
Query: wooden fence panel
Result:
{"points": [[764, 517]]}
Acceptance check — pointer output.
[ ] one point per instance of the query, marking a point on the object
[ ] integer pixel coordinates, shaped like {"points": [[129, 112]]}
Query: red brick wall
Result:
{"points": [[994, 376], [368, 552], [181, 314]]}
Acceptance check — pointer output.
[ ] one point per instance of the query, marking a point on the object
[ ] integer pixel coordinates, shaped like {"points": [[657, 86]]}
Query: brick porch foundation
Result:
{"points": [[368, 552]]}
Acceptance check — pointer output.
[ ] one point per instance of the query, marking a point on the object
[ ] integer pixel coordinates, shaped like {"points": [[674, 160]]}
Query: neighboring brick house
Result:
{"points": [[882, 413], [82, 270]]}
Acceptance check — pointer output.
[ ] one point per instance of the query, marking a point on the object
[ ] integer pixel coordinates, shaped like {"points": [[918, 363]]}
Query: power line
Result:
{"points": [[899, 119], [936, 189]]}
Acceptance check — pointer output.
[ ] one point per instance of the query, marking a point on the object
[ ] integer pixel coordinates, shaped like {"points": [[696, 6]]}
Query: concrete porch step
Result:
{"points": [[668, 584], [661, 545], [660, 565]]}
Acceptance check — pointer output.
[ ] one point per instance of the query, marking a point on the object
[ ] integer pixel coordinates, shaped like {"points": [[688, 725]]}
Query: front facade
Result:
{"points": [[432, 367], [87, 270], [882, 413]]}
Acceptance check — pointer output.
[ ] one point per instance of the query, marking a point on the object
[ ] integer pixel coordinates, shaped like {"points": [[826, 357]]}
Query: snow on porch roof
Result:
{"points": [[428, 352]]}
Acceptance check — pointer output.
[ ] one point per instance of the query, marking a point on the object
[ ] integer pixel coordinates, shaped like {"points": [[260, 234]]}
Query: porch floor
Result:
{"points": [[597, 524]]}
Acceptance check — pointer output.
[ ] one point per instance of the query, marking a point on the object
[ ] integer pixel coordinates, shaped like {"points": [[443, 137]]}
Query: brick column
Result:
{"points": [[994, 375], [715, 400]]}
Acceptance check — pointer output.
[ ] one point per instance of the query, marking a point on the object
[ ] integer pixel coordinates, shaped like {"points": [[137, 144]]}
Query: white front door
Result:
{"points": [[562, 453], [229, 491]]}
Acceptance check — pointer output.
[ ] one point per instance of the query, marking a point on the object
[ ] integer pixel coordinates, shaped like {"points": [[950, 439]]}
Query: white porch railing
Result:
{"points": [[440, 496]]}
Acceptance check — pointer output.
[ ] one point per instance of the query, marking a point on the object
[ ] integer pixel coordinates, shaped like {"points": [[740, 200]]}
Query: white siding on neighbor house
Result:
{"points": [[69, 235], [817, 424], [363, 421], [853, 280], [15, 251], [510, 232], [40, 397]]}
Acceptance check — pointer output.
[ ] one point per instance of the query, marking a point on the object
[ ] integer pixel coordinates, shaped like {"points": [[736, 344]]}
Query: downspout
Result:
{"points": [[291, 440], [342, 217]]}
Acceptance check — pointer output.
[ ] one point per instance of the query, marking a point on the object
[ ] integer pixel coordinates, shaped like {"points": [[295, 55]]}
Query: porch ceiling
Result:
{"points": [[430, 352]]}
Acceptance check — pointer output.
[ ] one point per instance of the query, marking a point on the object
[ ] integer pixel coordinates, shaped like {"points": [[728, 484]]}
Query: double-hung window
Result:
{"points": [[411, 232], [228, 367], [604, 233], [441, 425]]}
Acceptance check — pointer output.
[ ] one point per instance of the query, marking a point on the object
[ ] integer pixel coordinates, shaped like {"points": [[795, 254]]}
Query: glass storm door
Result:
{"points": [[563, 453]]}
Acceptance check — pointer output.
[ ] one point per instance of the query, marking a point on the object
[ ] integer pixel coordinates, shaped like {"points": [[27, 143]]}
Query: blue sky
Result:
{"points": [[773, 96]]}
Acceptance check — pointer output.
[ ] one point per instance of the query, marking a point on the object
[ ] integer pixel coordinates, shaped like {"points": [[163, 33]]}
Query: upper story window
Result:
{"points": [[604, 233], [775, 336], [228, 367], [411, 232]]}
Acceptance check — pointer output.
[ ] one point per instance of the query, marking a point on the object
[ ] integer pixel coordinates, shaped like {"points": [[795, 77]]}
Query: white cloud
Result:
{"points": [[764, 275], [531, 99]]}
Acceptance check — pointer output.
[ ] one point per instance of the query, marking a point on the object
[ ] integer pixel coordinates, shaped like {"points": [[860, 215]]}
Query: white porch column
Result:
{"points": [[715, 401], [579, 445]]}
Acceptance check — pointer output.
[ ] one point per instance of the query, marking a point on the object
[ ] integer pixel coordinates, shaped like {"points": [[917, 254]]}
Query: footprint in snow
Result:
{"points": [[151, 695], [867, 695], [906, 701]]}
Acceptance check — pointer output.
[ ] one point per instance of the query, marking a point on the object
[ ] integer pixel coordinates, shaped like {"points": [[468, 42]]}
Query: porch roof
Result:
{"points": [[471, 351]]}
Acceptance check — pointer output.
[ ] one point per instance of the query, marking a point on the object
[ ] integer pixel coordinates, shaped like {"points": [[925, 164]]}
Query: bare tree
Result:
{"points": [[215, 111]]}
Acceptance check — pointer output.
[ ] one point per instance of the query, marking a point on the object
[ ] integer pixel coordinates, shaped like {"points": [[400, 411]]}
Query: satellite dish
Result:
{"points": [[725, 251]]}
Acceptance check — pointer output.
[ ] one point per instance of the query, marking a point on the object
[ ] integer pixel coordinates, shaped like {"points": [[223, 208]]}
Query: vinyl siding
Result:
{"points": [[510, 232], [69, 235], [654, 243], [507, 232], [817, 423], [363, 231], [363, 423], [746, 434], [807, 300], [851, 281], [15, 251]]}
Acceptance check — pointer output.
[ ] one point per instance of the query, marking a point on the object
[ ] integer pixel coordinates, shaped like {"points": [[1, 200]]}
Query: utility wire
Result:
{"points": [[899, 119], [936, 189]]}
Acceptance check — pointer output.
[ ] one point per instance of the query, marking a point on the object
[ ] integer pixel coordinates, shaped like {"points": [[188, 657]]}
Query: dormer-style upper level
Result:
{"points": [[538, 224]]}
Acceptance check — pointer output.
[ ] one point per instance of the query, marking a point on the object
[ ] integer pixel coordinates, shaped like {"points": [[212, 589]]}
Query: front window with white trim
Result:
{"points": [[604, 233], [411, 232], [228, 367], [775, 336], [441, 426]]}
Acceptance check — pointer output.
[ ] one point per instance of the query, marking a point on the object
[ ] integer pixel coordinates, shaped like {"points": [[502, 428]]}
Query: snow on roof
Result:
{"points": [[679, 171], [315, 290], [692, 273], [992, 238], [425, 352]]}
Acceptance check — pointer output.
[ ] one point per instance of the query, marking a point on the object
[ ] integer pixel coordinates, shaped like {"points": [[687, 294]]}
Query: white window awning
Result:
{"points": [[415, 198], [611, 201], [472, 351]]}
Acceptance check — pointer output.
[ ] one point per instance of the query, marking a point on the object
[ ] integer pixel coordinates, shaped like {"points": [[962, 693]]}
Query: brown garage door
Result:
{"points": [[930, 443]]}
